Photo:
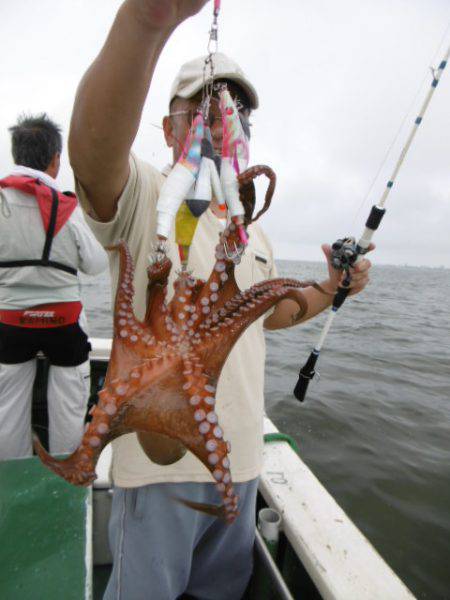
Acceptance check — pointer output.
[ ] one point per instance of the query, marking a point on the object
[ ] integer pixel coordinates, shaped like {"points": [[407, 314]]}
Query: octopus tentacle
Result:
{"points": [[221, 285], [245, 311], [214, 453], [219, 292], [123, 311], [136, 340], [106, 424], [181, 307], [263, 296], [247, 190], [158, 276]]}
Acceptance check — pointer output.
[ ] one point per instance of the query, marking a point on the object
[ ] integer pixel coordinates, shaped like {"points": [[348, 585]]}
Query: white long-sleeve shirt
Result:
{"points": [[22, 236]]}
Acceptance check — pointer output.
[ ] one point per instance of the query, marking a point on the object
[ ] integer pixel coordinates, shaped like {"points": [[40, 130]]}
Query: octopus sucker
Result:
{"points": [[163, 372]]}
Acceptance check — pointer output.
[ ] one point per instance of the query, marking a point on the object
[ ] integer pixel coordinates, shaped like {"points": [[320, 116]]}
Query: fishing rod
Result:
{"points": [[346, 252]]}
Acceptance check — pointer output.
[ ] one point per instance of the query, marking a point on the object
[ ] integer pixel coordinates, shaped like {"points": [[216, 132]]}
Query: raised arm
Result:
{"points": [[111, 96]]}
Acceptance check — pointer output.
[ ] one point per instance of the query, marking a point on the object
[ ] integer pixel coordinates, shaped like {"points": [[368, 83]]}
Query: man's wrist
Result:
{"points": [[328, 286]]}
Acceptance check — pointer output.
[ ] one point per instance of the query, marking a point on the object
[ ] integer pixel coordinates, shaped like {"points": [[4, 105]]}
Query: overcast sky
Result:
{"points": [[335, 80]]}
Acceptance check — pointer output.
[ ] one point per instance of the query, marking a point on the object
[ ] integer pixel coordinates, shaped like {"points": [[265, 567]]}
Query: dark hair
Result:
{"points": [[35, 141]]}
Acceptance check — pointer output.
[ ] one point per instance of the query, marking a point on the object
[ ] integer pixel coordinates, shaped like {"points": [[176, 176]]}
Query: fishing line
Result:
{"points": [[437, 52], [211, 50]]}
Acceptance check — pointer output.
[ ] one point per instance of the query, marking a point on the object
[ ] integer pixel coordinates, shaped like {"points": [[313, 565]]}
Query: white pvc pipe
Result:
{"points": [[269, 524]]}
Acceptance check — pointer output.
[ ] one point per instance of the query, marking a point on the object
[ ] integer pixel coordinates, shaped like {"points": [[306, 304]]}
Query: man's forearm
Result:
{"points": [[288, 313], [109, 104]]}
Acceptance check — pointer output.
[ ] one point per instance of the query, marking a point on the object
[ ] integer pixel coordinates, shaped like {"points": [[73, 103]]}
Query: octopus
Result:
{"points": [[163, 372]]}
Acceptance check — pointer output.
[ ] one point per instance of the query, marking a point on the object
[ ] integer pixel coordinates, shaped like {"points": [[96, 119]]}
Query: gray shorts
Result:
{"points": [[163, 549]]}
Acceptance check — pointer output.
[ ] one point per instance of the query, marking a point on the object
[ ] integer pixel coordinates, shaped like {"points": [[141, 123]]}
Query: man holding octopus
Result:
{"points": [[163, 549]]}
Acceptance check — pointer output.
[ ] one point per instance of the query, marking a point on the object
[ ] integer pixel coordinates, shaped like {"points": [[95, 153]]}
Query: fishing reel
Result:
{"points": [[344, 253]]}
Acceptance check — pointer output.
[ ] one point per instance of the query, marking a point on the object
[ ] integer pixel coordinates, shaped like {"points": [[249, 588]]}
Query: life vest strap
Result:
{"points": [[51, 226], [38, 262], [43, 316]]}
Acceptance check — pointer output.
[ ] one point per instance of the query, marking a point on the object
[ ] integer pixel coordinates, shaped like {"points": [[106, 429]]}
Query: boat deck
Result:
{"points": [[45, 528]]}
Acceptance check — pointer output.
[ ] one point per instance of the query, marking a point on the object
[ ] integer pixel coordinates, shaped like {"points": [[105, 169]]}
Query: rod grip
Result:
{"points": [[307, 372], [374, 220], [340, 296]]}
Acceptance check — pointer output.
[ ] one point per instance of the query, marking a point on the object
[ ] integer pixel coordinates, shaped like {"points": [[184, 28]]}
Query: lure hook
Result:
{"points": [[236, 252]]}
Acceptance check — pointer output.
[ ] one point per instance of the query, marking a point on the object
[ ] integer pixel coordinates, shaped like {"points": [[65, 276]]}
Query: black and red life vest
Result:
{"points": [[56, 209]]}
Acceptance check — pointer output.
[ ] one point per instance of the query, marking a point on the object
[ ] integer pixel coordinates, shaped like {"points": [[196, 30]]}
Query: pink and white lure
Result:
{"points": [[235, 157], [180, 180]]}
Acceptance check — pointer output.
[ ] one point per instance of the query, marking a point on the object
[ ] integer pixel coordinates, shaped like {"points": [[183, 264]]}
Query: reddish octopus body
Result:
{"points": [[164, 370]]}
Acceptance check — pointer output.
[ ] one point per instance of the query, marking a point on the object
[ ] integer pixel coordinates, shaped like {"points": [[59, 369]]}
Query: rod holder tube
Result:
{"points": [[269, 524]]}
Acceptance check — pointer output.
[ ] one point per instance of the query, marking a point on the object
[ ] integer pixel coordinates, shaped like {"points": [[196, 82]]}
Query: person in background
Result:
{"points": [[161, 548], [44, 243]]}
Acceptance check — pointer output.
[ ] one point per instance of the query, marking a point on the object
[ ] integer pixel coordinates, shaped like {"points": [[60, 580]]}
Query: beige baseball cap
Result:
{"points": [[190, 77]]}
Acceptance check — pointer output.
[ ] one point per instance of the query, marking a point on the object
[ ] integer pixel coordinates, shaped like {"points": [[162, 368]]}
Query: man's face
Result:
{"points": [[183, 112]]}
